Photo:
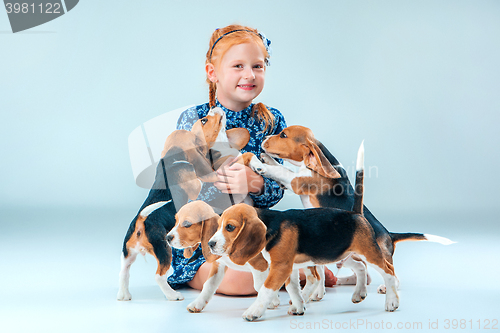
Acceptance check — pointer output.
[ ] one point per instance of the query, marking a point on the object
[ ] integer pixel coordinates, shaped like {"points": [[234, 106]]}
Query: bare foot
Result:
{"points": [[330, 279]]}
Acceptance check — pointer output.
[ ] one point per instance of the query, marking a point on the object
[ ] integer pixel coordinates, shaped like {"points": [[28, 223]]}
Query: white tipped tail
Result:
{"points": [[151, 208], [438, 239], [358, 185], [360, 162]]}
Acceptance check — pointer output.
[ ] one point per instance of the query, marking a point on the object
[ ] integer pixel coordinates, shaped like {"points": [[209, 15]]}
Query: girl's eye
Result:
{"points": [[230, 227], [283, 135], [186, 224], [259, 66], [238, 66], [204, 120]]}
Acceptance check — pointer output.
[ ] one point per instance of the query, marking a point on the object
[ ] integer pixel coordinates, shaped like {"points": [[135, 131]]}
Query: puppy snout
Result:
{"points": [[212, 244], [170, 238], [264, 143]]}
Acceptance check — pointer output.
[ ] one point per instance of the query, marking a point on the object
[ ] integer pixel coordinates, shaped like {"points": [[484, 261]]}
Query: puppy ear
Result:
{"points": [[317, 161], [208, 229], [188, 251], [249, 242], [238, 137]]}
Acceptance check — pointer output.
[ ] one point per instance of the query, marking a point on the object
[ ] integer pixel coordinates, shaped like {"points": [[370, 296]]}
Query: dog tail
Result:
{"points": [[358, 186], [411, 236]]}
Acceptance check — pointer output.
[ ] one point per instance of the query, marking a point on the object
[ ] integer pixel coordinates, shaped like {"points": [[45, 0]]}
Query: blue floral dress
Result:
{"points": [[184, 271]]}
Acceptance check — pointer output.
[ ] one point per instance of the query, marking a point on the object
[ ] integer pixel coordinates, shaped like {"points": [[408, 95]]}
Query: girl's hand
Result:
{"points": [[238, 179]]}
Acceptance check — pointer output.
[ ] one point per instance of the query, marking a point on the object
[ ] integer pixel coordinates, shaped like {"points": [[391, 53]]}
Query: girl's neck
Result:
{"points": [[234, 105]]}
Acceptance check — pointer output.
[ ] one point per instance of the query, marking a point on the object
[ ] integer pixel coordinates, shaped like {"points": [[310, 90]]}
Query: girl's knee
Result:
{"points": [[237, 283]]}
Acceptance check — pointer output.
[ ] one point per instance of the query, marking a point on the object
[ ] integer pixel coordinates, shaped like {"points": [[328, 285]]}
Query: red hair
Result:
{"points": [[220, 42]]}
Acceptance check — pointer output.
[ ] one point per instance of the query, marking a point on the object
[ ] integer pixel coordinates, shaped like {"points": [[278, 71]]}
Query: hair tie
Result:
{"points": [[265, 41], [267, 44]]}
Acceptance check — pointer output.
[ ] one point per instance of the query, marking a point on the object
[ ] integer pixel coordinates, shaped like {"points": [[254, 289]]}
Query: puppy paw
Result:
{"points": [[253, 313], [175, 296], [274, 303], [359, 294], [391, 304], [381, 289], [314, 296], [358, 297], [318, 294], [296, 309], [197, 306], [257, 166], [268, 159], [123, 295]]}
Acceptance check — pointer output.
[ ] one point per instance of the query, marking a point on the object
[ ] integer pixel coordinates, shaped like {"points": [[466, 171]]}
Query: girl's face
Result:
{"points": [[240, 76]]}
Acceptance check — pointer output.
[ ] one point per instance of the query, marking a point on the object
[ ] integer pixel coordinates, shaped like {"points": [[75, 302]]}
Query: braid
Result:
{"points": [[264, 114], [211, 94]]}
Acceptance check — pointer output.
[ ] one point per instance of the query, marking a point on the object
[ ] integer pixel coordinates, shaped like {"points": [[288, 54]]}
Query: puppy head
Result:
{"points": [[195, 223], [211, 128], [297, 145], [241, 234], [288, 144]]}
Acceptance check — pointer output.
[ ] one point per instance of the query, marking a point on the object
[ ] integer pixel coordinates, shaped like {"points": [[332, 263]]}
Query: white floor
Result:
{"points": [[59, 271]]}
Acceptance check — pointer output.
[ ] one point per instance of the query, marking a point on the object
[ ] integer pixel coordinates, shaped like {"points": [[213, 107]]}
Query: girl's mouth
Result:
{"points": [[246, 86]]}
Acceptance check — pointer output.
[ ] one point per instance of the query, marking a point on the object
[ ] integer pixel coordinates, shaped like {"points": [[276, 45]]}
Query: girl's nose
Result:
{"points": [[249, 74]]}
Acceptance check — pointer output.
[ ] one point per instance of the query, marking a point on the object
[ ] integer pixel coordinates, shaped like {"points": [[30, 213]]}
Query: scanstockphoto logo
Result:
{"points": [[25, 15]]}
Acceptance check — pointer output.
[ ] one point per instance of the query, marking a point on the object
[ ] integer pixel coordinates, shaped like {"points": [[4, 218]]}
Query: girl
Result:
{"points": [[235, 66]]}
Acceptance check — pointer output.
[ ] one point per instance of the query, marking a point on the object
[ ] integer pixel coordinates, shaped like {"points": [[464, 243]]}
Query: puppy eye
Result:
{"points": [[283, 135], [204, 120], [230, 227], [186, 224]]}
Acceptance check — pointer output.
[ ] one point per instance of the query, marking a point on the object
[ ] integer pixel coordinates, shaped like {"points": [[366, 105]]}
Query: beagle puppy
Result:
{"points": [[184, 165], [321, 181], [296, 238], [195, 223]]}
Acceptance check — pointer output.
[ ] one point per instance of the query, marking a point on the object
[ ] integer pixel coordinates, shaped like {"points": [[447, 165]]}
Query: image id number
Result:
{"points": [[31, 8]]}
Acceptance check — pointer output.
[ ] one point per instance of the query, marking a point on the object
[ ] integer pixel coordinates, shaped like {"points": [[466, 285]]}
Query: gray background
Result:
{"points": [[417, 80]]}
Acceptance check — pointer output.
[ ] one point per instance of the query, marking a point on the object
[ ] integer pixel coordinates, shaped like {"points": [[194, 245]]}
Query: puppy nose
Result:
{"points": [[169, 238], [212, 244]]}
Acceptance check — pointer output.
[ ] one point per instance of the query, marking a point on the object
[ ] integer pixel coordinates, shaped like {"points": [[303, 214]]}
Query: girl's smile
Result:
{"points": [[246, 86]]}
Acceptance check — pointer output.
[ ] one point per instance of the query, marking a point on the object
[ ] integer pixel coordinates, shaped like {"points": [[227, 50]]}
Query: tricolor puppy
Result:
{"points": [[299, 238], [196, 223], [321, 181], [179, 175]]}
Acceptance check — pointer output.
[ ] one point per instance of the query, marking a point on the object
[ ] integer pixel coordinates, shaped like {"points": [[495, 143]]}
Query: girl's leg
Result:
{"points": [[234, 283]]}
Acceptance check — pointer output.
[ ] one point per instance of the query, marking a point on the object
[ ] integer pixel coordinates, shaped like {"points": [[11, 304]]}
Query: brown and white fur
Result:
{"points": [[301, 238], [321, 181], [182, 168], [195, 224]]}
